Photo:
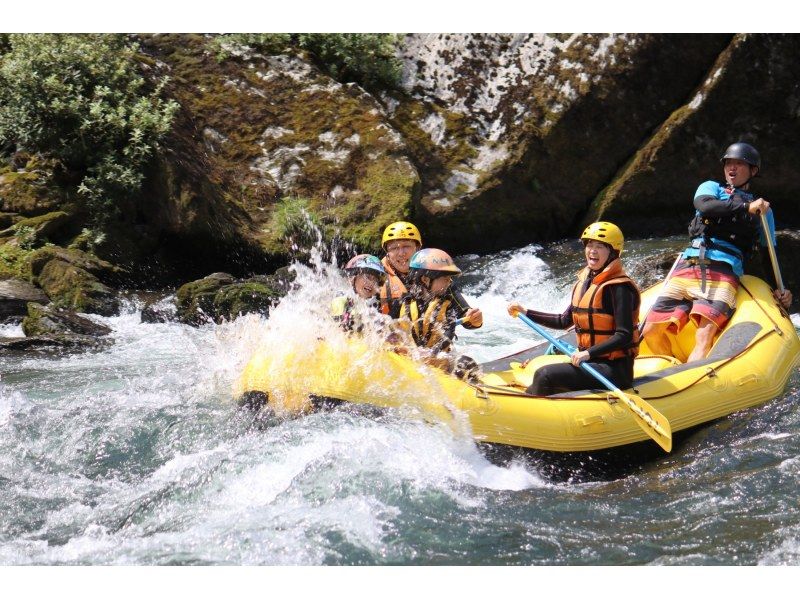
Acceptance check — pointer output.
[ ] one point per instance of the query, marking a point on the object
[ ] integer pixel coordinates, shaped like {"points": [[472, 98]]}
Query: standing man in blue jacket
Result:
{"points": [[724, 232]]}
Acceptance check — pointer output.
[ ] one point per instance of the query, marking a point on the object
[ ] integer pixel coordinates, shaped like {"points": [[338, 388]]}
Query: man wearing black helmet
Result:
{"points": [[724, 232]]}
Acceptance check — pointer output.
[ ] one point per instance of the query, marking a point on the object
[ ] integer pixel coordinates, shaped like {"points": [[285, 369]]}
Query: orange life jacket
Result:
{"points": [[392, 290], [594, 325]]}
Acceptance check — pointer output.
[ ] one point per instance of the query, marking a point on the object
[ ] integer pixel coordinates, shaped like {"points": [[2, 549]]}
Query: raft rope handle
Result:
{"points": [[774, 324]]}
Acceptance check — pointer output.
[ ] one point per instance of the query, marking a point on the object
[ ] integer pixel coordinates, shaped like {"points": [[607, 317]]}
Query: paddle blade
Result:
{"points": [[652, 421]]}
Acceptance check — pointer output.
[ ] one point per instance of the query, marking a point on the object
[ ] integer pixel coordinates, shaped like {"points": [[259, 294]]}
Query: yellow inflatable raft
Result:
{"points": [[750, 363]]}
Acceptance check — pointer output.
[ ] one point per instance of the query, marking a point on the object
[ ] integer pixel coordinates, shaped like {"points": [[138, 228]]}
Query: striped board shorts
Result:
{"points": [[683, 297]]}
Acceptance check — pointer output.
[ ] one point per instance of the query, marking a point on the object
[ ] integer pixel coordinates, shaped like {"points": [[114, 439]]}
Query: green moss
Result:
{"points": [[80, 259], [247, 297], [14, 261], [72, 287], [218, 297], [435, 162], [195, 299], [28, 192], [39, 229]]}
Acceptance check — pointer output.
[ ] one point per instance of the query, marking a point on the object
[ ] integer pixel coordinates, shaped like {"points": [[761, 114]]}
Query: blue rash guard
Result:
{"points": [[718, 200]]}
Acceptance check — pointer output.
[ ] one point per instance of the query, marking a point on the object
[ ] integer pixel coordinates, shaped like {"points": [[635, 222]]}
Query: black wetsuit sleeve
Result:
{"points": [[618, 299], [711, 206], [558, 321], [461, 307]]}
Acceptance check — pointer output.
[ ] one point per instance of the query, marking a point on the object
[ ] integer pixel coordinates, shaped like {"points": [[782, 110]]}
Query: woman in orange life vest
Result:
{"points": [[401, 241], [605, 312]]}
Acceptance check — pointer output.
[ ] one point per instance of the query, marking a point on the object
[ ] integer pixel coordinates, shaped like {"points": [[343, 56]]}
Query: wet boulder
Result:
{"points": [[56, 320], [71, 278], [39, 229], [220, 297], [15, 295], [160, 311], [53, 328]]}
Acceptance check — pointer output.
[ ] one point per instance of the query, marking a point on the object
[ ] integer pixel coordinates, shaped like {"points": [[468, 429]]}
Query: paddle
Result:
{"points": [[646, 416], [772, 256]]}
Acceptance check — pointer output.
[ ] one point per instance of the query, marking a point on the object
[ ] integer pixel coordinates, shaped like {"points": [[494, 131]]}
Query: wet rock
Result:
{"points": [[53, 342], [220, 297], [159, 312], [47, 320], [102, 269], [15, 295], [69, 277], [653, 269], [40, 229], [73, 287]]}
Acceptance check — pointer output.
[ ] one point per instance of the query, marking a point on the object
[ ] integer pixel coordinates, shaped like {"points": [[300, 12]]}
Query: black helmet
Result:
{"points": [[744, 152]]}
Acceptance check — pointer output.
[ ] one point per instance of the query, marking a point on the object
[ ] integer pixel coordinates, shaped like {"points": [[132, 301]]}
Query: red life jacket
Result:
{"points": [[392, 290], [594, 325]]}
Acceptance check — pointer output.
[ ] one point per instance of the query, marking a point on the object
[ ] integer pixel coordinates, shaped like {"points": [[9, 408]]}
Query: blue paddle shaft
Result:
{"points": [[567, 350]]}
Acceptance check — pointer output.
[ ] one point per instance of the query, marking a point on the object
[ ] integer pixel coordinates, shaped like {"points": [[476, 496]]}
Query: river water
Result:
{"points": [[136, 454]]}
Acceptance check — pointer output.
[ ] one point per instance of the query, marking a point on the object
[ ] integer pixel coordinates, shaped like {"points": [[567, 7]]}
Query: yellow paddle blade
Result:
{"points": [[652, 421]]}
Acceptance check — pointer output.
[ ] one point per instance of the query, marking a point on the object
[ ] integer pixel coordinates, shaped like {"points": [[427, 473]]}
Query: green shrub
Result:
{"points": [[364, 58], [293, 218], [82, 100]]}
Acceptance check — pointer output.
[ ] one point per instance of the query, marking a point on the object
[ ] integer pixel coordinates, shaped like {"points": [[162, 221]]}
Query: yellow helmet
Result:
{"points": [[605, 232], [401, 230]]}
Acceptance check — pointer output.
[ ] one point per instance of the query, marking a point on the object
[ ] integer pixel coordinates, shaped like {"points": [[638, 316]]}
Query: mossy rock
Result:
{"points": [[245, 297], [195, 300], [72, 287], [30, 192], [48, 320], [15, 294], [102, 269], [219, 297], [39, 229]]}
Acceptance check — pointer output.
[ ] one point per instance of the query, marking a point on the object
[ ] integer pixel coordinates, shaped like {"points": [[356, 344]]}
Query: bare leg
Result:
{"points": [[656, 337], [703, 340]]}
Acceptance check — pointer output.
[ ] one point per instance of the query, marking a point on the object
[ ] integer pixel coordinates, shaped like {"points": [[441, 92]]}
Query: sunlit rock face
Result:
{"points": [[526, 130]]}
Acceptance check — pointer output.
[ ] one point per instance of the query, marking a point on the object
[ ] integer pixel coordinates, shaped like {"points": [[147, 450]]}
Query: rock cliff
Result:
{"points": [[489, 141]]}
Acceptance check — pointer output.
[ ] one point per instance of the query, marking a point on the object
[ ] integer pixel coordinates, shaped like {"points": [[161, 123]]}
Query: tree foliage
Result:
{"points": [[365, 58], [83, 100]]}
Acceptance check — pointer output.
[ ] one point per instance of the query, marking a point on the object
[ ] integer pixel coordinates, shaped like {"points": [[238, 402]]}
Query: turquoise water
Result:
{"points": [[136, 455]]}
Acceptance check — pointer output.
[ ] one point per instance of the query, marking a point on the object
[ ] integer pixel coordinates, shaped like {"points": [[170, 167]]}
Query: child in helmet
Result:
{"points": [[366, 275], [401, 240], [431, 310], [724, 233], [605, 312]]}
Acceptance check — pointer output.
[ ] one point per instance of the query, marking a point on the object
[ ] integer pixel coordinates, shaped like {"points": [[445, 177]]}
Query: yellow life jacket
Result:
{"points": [[393, 290], [342, 312], [430, 329], [594, 325]]}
